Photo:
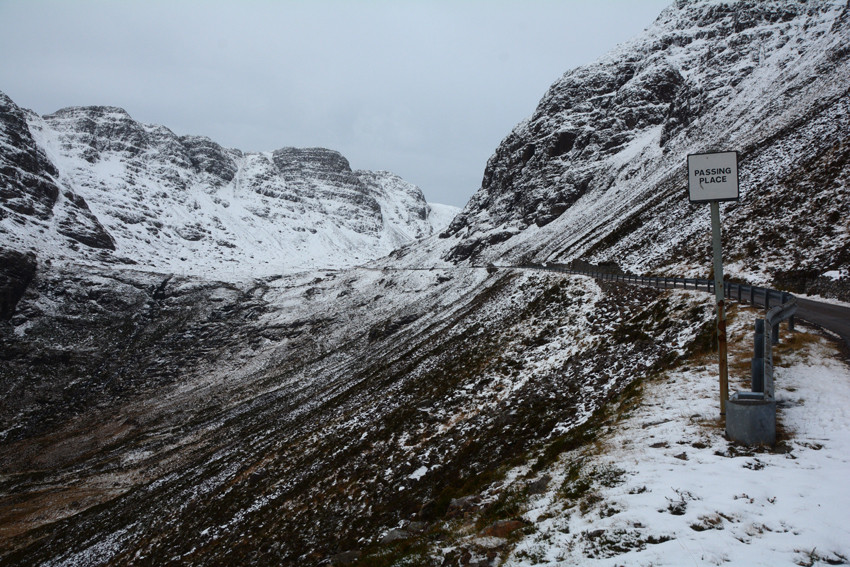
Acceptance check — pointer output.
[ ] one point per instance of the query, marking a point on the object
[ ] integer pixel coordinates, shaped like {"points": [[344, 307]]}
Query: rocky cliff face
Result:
{"points": [[32, 193], [138, 194], [597, 171], [28, 186]]}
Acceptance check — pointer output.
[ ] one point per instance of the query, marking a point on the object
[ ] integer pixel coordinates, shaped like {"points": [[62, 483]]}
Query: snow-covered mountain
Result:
{"points": [[426, 408], [598, 170], [92, 183]]}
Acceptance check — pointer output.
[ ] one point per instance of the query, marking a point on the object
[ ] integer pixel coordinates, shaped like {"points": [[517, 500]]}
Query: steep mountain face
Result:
{"points": [[100, 179], [598, 171], [30, 188]]}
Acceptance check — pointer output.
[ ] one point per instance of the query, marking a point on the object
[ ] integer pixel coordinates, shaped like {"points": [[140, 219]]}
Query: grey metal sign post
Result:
{"points": [[713, 177]]}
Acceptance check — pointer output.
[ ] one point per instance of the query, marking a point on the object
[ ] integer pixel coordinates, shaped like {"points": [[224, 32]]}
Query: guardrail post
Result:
{"points": [[752, 295], [768, 363], [757, 369], [786, 297]]}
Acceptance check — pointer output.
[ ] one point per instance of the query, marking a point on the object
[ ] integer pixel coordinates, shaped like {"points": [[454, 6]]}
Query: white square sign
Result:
{"points": [[713, 177]]}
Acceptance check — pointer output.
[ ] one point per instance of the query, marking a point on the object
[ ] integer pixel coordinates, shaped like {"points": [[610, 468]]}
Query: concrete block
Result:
{"points": [[751, 421]]}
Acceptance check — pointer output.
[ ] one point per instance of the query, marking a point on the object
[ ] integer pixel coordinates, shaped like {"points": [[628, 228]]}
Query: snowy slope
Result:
{"points": [[138, 194], [598, 171], [662, 486]]}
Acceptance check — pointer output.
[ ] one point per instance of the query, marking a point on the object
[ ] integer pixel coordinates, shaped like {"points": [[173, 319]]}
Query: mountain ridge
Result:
{"points": [[184, 203]]}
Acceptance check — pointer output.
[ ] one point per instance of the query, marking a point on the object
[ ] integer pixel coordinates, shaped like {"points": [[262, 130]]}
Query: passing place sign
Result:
{"points": [[713, 177]]}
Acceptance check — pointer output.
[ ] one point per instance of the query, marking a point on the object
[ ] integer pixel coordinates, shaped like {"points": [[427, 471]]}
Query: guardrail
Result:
{"points": [[762, 371], [743, 293], [774, 316]]}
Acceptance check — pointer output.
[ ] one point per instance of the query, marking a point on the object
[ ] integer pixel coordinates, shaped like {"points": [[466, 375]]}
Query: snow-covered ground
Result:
{"points": [[664, 487]]}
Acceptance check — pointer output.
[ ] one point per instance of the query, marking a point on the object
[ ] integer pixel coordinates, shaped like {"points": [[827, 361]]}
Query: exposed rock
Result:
{"points": [[76, 221], [459, 507], [27, 177], [503, 528], [208, 157], [345, 558], [417, 527], [540, 485], [395, 534], [16, 272], [325, 175]]}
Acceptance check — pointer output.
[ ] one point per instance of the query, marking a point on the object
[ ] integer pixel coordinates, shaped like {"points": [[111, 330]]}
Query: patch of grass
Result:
{"points": [[630, 397], [705, 342], [458, 488], [576, 438], [677, 507], [588, 502], [609, 475], [610, 543], [580, 481], [709, 522], [795, 342], [576, 484], [407, 553], [813, 557], [509, 505]]}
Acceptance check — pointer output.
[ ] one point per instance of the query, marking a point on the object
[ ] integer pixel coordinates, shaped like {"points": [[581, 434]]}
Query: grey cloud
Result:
{"points": [[424, 89]]}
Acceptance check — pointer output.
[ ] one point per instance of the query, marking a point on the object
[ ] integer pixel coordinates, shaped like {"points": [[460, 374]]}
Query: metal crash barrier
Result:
{"points": [[751, 416]]}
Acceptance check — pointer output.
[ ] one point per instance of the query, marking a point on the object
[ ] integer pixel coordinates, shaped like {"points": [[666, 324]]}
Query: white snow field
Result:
{"points": [[665, 487]]}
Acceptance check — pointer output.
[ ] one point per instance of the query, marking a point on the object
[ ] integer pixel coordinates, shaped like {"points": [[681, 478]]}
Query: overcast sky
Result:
{"points": [[426, 90]]}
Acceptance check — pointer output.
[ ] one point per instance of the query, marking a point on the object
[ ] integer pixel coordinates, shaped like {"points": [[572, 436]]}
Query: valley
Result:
{"points": [[210, 356]]}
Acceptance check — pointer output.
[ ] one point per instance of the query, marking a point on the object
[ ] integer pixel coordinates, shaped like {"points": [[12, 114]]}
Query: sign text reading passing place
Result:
{"points": [[713, 177]]}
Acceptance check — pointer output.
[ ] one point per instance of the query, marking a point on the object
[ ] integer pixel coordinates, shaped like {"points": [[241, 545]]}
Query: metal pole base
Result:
{"points": [[751, 421]]}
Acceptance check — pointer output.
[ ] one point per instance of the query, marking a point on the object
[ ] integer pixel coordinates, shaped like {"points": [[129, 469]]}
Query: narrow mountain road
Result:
{"points": [[829, 316], [833, 318]]}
